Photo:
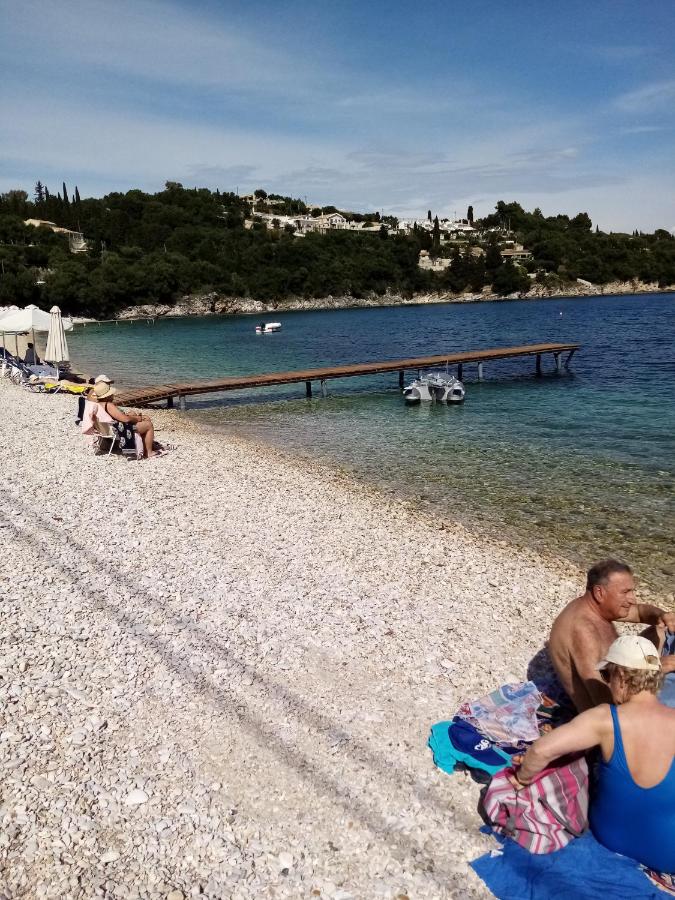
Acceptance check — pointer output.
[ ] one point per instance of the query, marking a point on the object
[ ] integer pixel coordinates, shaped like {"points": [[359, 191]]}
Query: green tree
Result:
{"points": [[493, 258], [509, 279], [436, 239], [581, 222]]}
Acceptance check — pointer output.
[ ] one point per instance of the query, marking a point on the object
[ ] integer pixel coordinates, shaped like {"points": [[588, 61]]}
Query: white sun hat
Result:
{"points": [[632, 652]]}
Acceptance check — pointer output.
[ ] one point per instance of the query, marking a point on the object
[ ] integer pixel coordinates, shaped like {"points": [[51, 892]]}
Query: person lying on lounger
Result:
{"points": [[104, 393], [632, 810], [584, 630]]}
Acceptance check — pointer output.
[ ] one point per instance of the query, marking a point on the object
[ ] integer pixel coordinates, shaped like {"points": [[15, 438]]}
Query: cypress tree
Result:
{"points": [[39, 193], [469, 215], [77, 196], [65, 194], [436, 238]]}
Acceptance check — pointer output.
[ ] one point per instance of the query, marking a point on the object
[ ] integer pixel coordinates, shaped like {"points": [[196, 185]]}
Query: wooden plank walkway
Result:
{"points": [[156, 393]]}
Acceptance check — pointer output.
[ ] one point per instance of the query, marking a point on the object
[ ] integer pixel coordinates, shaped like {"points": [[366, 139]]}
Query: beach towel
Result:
{"points": [[89, 416], [458, 743], [584, 870], [507, 715]]}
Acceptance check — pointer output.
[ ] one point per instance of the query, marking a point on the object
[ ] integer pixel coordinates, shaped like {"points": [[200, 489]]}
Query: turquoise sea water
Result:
{"points": [[581, 463]]}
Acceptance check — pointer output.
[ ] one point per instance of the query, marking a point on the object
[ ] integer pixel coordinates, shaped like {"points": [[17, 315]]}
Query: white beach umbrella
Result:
{"points": [[57, 346], [23, 321]]}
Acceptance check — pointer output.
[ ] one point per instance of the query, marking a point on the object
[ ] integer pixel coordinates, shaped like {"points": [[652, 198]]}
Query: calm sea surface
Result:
{"points": [[581, 463]]}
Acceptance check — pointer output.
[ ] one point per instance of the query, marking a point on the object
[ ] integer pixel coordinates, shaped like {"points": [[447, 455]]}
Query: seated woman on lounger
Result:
{"points": [[103, 393], [633, 808]]}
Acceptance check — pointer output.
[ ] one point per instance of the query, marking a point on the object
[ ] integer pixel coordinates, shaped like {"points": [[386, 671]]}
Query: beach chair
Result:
{"points": [[104, 432], [6, 363], [44, 371], [19, 376], [20, 373]]}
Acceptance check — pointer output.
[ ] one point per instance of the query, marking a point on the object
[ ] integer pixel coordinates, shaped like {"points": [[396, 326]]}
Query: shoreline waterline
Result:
{"points": [[579, 464]]}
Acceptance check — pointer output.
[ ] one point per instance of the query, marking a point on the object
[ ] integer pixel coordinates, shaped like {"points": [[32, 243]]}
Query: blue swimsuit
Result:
{"points": [[634, 821]]}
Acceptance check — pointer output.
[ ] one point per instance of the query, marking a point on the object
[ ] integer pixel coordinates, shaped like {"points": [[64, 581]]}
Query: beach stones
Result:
{"points": [[230, 673], [136, 798]]}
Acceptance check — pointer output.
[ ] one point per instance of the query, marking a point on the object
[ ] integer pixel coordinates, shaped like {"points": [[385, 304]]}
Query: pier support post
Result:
{"points": [[323, 387], [400, 379], [539, 364], [181, 401], [558, 362], [460, 370], [569, 358], [169, 402], [480, 371], [308, 389]]}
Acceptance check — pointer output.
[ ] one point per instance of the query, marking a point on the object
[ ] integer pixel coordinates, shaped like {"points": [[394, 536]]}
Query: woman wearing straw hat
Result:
{"points": [[633, 807], [103, 393]]}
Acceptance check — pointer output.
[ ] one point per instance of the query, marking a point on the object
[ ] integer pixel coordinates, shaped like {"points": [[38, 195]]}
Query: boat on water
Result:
{"points": [[267, 327], [434, 388]]}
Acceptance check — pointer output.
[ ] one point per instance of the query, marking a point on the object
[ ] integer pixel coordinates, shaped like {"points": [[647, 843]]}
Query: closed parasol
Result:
{"points": [[57, 346]]}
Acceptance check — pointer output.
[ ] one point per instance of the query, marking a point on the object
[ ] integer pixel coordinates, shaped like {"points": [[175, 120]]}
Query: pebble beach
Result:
{"points": [[220, 668]]}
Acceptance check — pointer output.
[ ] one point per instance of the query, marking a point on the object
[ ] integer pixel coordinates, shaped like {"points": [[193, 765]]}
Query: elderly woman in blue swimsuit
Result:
{"points": [[633, 807]]}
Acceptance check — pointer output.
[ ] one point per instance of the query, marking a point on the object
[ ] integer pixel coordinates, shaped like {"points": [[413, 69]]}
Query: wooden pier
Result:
{"points": [[156, 393]]}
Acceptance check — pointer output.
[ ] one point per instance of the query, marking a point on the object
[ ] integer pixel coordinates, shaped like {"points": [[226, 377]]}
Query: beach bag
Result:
{"points": [[545, 815]]}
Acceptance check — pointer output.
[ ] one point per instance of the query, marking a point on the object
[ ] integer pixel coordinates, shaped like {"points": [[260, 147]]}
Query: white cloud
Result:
{"points": [[147, 38], [620, 53], [102, 151], [640, 129], [648, 98]]}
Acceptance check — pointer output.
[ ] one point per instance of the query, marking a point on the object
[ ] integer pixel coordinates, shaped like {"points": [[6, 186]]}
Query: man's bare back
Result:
{"points": [[579, 640]]}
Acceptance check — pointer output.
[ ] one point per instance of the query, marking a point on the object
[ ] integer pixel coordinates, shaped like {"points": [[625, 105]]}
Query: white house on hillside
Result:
{"points": [[76, 241]]}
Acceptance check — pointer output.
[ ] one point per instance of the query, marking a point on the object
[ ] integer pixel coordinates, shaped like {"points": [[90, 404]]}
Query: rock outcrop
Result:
{"points": [[217, 304]]}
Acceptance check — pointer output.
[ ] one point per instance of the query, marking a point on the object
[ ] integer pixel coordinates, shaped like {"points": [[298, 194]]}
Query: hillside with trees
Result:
{"points": [[155, 248]]}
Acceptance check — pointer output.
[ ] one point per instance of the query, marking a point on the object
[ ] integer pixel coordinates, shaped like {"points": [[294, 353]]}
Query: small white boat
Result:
{"points": [[267, 327], [434, 388]]}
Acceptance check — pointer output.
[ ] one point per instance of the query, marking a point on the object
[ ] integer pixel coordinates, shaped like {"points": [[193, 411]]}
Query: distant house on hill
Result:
{"points": [[76, 240], [448, 228], [302, 225], [434, 265], [321, 224], [515, 253]]}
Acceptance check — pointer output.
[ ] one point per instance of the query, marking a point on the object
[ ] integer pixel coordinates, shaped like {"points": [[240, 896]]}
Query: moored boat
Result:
{"points": [[267, 327], [434, 388]]}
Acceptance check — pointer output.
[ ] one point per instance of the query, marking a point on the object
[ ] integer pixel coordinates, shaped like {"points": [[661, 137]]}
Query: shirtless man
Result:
{"points": [[584, 630]]}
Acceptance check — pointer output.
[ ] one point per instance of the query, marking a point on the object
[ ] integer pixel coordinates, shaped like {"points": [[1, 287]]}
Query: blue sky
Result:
{"points": [[395, 106]]}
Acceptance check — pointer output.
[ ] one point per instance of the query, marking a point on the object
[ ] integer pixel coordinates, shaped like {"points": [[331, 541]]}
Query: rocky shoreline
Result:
{"points": [[220, 669], [216, 304]]}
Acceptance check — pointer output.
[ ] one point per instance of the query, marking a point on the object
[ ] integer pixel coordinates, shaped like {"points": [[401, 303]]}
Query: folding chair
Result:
{"points": [[105, 431]]}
